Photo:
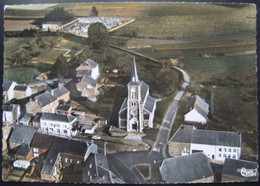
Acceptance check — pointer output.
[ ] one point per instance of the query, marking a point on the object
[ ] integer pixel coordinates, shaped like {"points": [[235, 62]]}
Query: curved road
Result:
{"points": [[160, 144]]}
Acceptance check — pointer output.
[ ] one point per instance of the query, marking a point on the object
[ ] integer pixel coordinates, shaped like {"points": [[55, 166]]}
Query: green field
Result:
{"points": [[21, 74]]}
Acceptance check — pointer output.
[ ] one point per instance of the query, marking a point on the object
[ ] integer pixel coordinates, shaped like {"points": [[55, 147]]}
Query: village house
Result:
{"points": [[48, 101], [87, 86], [194, 168], [88, 126], [137, 110], [52, 26], [239, 171], [6, 130], [26, 119], [21, 91], [8, 87], [57, 124], [36, 120], [20, 141], [216, 145], [96, 170], [64, 152], [197, 110], [89, 68], [64, 109], [11, 113], [41, 144]]}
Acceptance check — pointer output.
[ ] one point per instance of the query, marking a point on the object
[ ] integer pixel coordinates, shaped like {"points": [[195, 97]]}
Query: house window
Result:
{"points": [[229, 150], [70, 160], [58, 131], [219, 155], [35, 150], [224, 155], [225, 149], [220, 149], [30, 107], [229, 156], [234, 156], [51, 129], [133, 104], [78, 162], [66, 160], [65, 131], [234, 150]]}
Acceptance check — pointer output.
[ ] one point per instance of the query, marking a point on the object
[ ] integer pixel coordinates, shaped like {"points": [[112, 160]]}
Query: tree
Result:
{"points": [[60, 68], [94, 11], [58, 14], [98, 36]]}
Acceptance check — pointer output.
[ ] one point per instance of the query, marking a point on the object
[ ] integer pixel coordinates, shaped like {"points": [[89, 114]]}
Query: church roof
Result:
{"points": [[124, 105], [149, 103], [144, 91], [134, 75]]}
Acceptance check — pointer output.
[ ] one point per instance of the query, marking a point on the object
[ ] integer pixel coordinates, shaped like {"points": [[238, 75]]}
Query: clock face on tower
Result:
{"points": [[134, 112]]}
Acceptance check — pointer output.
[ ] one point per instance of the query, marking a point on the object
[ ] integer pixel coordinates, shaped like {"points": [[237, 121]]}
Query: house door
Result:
{"points": [[213, 157], [134, 126]]}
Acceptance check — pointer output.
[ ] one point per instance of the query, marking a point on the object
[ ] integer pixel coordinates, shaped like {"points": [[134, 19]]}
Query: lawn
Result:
{"points": [[21, 74]]}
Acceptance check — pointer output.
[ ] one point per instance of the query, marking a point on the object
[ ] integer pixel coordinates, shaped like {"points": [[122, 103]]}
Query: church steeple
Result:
{"points": [[134, 75]]}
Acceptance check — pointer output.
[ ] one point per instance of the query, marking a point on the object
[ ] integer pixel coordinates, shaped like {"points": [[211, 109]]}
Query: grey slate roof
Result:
{"points": [[183, 169], [64, 80], [149, 103], [26, 118], [6, 85], [231, 167], [8, 108], [144, 90], [89, 62], [64, 108], [20, 87], [63, 145], [188, 134], [124, 105], [83, 72], [22, 134], [222, 138], [57, 117], [59, 91], [42, 141], [44, 99], [89, 80], [23, 150], [183, 134]]}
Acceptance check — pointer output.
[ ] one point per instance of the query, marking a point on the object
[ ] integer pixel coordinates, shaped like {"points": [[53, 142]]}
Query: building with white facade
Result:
{"points": [[137, 110], [57, 124], [216, 145], [52, 26], [89, 68], [8, 87], [11, 113], [198, 110]]}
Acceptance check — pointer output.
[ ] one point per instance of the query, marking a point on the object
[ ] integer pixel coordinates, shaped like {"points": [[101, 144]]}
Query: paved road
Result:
{"points": [[160, 144]]}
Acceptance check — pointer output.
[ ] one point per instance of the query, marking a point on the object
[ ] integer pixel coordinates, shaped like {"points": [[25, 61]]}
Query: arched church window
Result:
{"points": [[133, 93]]}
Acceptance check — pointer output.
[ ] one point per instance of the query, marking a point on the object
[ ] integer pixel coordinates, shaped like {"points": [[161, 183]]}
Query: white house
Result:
{"points": [[88, 68], [137, 110], [8, 87], [216, 145], [52, 26], [11, 113], [58, 124], [198, 110]]}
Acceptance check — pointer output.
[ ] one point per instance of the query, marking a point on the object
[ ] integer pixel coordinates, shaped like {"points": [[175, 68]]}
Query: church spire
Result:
{"points": [[134, 75]]}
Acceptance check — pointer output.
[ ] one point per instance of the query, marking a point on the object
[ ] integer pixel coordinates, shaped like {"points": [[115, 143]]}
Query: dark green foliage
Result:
{"points": [[98, 36], [58, 14], [60, 68], [94, 11]]}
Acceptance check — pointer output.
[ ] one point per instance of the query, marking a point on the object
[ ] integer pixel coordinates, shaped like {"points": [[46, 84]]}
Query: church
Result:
{"points": [[137, 110]]}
